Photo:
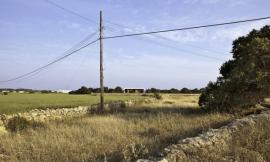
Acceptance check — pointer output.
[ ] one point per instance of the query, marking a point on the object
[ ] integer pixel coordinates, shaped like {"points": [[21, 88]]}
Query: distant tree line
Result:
{"points": [[25, 90], [174, 90], [85, 90], [16, 90], [118, 89]]}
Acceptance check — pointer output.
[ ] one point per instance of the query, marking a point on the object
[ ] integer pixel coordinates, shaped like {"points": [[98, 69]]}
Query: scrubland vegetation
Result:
{"points": [[137, 133]]}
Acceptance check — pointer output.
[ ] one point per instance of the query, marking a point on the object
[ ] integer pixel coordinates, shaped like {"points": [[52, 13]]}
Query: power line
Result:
{"points": [[194, 46], [174, 47], [82, 42], [49, 64], [69, 11], [187, 52], [167, 39], [110, 22], [73, 13], [186, 28], [170, 46], [154, 32], [186, 44], [171, 40]]}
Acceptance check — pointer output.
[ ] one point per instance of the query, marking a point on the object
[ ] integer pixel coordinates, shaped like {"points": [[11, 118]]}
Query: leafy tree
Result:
{"points": [[174, 90], [244, 80], [106, 89], [152, 90], [185, 90], [82, 90], [118, 89], [111, 90]]}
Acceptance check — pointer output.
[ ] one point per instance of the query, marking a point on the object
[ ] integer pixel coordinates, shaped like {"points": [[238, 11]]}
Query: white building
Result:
{"points": [[63, 91]]}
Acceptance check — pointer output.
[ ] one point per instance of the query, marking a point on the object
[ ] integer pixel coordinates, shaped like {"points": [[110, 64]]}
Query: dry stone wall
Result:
{"points": [[214, 138], [53, 114]]}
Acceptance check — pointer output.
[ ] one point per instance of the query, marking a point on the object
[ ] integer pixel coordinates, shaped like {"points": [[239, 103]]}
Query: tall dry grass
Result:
{"points": [[249, 144], [139, 132]]}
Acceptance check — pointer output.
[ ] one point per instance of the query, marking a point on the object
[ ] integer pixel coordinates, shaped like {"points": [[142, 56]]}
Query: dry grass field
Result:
{"points": [[137, 133], [251, 144]]}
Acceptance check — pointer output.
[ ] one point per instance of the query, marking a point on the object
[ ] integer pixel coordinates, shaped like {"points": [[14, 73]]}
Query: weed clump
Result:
{"points": [[135, 151], [17, 124], [157, 96]]}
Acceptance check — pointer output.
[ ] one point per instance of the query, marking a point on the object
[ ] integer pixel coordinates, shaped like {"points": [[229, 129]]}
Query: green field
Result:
{"points": [[14, 103]]}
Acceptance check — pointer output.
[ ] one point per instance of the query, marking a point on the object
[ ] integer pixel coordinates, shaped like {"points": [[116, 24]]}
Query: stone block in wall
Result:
{"points": [[2, 131], [154, 160]]}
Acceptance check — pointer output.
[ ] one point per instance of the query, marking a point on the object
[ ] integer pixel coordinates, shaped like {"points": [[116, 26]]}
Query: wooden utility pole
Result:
{"points": [[101, 65]]}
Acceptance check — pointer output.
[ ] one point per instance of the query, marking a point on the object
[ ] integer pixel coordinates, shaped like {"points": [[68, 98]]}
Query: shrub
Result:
{"points": [[111, 107], [157, 96], [18, 123], [168, 102]]}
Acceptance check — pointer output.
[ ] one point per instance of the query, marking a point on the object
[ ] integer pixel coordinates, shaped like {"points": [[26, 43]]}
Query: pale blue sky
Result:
{"points": [[33, 33]]}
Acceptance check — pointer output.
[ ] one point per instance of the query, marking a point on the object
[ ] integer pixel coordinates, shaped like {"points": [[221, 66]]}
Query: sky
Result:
{"points": [[34, 32]]}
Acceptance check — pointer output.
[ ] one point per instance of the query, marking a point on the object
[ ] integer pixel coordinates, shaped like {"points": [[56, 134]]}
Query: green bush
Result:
{"points": [[245, 79], [17, 124]]}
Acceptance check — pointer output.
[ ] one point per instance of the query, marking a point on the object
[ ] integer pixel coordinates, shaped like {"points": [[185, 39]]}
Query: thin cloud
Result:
{"points": [[232, 33]]}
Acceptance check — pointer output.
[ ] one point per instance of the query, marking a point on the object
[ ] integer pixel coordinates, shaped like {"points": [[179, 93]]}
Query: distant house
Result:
{"points": [[21, 92], [134, 90]]}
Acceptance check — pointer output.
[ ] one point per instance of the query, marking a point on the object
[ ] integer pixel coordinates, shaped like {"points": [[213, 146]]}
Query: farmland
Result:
{"points": [[138, 132], [14, 103], [193, 85]]}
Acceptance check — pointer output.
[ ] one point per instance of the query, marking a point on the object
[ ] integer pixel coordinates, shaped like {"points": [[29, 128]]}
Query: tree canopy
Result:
{"points": [[245, 79]]}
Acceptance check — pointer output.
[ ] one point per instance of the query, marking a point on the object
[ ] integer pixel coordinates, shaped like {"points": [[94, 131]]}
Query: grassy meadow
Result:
{"points": [[138, 132], [14, 103]]}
